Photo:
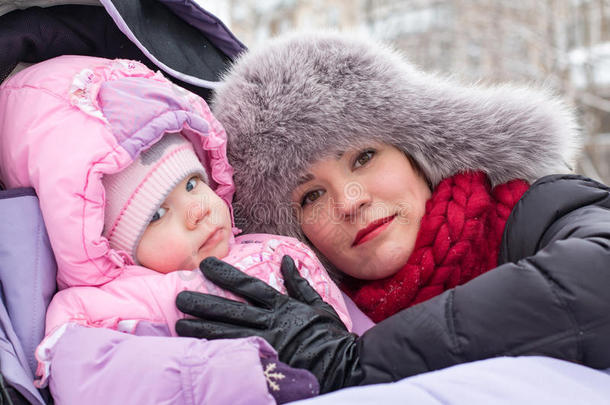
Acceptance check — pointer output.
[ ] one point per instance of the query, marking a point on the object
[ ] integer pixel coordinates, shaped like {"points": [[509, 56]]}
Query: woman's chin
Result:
{"points": [[384, 263], [383, 272], [374, 270]]}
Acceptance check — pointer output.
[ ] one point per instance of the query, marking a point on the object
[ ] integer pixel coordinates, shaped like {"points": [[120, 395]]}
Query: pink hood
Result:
{"points": [[68, 121]]}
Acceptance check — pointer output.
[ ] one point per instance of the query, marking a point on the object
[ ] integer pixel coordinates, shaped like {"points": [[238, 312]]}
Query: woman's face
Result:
{"points": [[363, 209]]}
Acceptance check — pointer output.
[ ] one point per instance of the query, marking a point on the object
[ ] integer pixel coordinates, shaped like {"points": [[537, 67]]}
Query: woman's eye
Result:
{"points": [[192, 183], [311, 197], [158, 214], [363, 158]]}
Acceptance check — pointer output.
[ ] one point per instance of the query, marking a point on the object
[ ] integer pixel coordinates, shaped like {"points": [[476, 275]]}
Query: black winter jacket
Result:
{"points": [[550, 294]]}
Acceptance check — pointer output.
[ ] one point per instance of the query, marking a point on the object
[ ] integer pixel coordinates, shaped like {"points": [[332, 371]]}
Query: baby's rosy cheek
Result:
{"points": [[185, 262], [165, 254], [179, 252]]}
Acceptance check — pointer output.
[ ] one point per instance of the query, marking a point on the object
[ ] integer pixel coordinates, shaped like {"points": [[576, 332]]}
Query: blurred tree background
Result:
{"points": [[560, 44]]}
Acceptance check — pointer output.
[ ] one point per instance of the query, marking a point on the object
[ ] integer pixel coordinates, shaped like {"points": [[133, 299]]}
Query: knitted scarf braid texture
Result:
{"points": [[458, 240]]}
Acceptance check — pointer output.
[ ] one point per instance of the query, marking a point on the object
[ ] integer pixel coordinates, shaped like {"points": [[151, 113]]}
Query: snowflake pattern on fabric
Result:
{"points": [[273, 377]]}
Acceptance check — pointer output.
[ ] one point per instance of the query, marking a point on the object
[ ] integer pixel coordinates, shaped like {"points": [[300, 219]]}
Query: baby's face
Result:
{"points": [[192, 223]]}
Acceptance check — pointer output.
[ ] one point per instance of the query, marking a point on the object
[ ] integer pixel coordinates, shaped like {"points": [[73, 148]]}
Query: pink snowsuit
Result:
{"points": [[65, 123]]}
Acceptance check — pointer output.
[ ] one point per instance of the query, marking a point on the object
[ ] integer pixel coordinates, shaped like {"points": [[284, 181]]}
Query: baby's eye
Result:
{"points": [[192, 183], [363, 158], [311, 197], [158, 214]]}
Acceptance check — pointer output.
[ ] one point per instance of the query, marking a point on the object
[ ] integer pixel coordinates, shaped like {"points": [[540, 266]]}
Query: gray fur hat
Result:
{"points": [[305, 96]]}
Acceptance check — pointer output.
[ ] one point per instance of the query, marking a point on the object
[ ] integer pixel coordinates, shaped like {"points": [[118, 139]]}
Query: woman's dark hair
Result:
{"points": [[415, 165]]}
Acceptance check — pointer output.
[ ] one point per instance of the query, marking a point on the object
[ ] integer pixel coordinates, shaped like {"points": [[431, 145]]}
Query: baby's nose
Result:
{"points": [[194, 214]]}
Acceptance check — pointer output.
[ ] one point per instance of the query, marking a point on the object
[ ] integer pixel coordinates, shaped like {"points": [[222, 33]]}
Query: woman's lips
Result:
{"points": [[372, 230]]}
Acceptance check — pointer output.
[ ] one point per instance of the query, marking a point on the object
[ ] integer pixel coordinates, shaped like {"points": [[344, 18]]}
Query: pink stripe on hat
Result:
{"points": [[134, 194]]}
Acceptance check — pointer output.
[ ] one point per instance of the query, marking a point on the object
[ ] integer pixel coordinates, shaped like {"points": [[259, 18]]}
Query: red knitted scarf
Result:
{"points": [[458, 240]]}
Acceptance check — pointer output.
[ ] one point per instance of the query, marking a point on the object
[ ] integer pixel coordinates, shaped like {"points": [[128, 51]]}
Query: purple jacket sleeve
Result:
{"points": [[91, 365]]}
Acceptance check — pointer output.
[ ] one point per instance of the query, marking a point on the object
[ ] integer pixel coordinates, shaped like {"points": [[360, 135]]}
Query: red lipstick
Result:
{"points": [[372, 230]]}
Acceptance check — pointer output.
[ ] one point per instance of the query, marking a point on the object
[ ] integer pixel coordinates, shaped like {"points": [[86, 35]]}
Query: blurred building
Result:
{"points": [[563, 44], [589, 63], [254, 21], [490, 40]]}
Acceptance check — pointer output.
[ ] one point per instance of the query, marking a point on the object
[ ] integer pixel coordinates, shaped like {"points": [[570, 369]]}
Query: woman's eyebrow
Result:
{"points": [[308, 177], [305, 178]]}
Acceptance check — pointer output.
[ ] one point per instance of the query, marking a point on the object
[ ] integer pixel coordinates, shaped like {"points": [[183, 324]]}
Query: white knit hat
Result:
{"points": [[134, 194]]}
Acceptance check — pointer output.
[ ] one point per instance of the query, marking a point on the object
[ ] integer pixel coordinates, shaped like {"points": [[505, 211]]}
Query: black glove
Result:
{"points": [[306, 331]]}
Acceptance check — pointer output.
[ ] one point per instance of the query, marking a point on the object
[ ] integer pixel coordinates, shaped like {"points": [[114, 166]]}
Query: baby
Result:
{"points": [[135, 190], [161, 212]]}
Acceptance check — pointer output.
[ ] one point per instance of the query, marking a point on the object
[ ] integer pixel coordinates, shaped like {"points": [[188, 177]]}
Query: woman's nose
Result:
{"points": [[352, 198], [194, 214]]}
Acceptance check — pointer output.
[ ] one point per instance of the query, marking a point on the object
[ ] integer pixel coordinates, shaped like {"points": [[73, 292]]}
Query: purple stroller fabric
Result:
{"points": [[210, 25], [196, 53], [27, 276], [189, 44]]}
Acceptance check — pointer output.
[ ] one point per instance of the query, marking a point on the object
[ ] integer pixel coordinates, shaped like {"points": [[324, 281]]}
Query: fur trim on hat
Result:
{"points": [[305, 96]]}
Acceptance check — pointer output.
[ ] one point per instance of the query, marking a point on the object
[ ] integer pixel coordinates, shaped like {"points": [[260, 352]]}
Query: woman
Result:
{"points": [[343, 144]]}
